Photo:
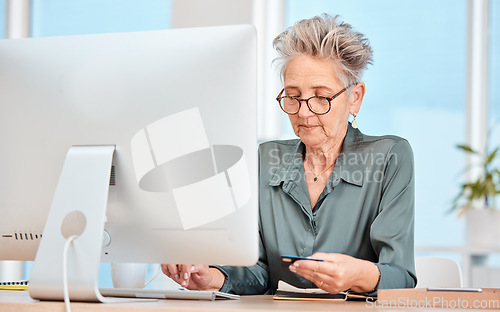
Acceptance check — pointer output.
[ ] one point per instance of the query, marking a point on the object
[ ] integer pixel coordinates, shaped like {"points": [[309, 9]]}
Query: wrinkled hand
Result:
{"points": [[194, 277], [338, 272]]}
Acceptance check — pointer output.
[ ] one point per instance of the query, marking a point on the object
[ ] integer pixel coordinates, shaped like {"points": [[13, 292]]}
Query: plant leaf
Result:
{"points": [[468, 149], [491, 156], [485, 188], [490, 189]]}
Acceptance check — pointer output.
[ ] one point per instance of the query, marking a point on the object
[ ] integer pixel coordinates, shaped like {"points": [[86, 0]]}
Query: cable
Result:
{"points": [[154, 275], [65, 269]]}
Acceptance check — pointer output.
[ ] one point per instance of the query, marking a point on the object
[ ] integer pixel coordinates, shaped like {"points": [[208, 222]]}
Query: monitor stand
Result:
{"points": [[78, 208]]}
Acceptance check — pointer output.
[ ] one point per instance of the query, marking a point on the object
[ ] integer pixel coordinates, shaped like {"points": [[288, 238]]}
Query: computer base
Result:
{"points": [[78, 209]]}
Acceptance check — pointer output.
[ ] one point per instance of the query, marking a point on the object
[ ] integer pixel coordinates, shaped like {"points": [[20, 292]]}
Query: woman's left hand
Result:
{"points": [[338, 272]]}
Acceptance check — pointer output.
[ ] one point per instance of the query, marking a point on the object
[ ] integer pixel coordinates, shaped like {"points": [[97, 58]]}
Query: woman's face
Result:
{"points": [[305, 77]]}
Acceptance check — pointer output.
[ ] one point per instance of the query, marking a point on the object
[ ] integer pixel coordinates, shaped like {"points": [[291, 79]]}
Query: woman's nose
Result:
{"points": [[304, 110]]}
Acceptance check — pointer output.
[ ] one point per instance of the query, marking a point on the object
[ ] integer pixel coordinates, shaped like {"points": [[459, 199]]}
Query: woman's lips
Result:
{"points": [[308, 127]]}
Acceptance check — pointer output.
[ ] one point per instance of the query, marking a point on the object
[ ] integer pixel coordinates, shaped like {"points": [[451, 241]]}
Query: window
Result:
{"points": [[494, 73], [2, 19], [61, 17]]}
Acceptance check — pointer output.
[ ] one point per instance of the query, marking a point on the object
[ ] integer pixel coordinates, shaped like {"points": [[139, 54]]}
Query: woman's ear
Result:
{"points": [[357, 94]]}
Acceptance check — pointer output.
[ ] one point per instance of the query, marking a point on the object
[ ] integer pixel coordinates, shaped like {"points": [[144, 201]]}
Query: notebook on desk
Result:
{"points": [[166, 294], [286, 291]]}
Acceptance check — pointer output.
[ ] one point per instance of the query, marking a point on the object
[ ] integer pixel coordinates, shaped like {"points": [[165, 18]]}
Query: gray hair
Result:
{"points": [[327, 38]]}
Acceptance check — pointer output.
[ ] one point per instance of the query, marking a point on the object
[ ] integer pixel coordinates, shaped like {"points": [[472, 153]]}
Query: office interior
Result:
{"points": [[434, 82]]}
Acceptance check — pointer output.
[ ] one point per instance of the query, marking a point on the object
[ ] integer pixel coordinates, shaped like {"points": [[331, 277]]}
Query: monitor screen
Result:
{"points": [[179, 106]]}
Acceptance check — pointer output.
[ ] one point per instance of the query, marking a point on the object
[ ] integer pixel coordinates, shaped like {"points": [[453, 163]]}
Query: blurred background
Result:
{"points": [[435, 81]]}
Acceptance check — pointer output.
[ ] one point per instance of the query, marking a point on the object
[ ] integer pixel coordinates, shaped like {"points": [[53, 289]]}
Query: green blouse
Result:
{"points": [[366, 210]]}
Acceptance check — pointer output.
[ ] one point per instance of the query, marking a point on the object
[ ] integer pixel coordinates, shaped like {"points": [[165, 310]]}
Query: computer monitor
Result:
{"points": [[176, 110]]}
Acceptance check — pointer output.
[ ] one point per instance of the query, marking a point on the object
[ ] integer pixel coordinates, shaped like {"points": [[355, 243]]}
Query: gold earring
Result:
{"points": [[354, 123]]}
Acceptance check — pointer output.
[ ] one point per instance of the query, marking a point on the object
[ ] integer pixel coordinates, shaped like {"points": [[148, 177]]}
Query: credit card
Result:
{"points": [[287, 260]]}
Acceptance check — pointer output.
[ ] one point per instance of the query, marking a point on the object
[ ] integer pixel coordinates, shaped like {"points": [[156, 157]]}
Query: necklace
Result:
{"points": [[318, 175]]}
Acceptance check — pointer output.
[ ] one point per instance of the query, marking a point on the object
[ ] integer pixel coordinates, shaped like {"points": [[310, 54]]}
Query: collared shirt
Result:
{"points": [[366, 210]]}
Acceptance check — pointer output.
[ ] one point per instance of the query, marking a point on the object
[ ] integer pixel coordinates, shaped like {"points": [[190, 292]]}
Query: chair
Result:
{"points": [[435, 272]]}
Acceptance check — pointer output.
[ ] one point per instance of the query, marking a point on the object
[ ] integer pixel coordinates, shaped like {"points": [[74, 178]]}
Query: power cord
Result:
{"points": [[154, 275], [65, 271]]}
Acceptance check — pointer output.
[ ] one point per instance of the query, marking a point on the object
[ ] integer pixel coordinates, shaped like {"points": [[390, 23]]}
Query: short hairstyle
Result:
{"points": [[326, 37]]}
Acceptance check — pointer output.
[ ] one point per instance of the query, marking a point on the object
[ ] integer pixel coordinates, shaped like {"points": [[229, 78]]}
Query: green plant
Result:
{"points": [[485, 188]]}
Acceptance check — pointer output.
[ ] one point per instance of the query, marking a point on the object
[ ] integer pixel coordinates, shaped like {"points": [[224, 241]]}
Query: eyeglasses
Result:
{"points": [[319, 105]]}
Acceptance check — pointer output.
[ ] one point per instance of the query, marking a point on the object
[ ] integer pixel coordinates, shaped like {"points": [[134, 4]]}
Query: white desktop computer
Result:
{"points": [[127, 147]]}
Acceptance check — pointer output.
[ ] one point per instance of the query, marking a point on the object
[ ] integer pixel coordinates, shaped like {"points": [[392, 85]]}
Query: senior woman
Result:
{"points": [[334, 193]]}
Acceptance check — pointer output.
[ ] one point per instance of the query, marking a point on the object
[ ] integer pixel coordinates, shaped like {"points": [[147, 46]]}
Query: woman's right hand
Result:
{"points": [[194, 277]]}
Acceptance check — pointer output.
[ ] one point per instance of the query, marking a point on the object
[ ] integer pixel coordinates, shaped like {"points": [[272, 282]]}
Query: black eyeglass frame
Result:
{"points": [[329, 99]]}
